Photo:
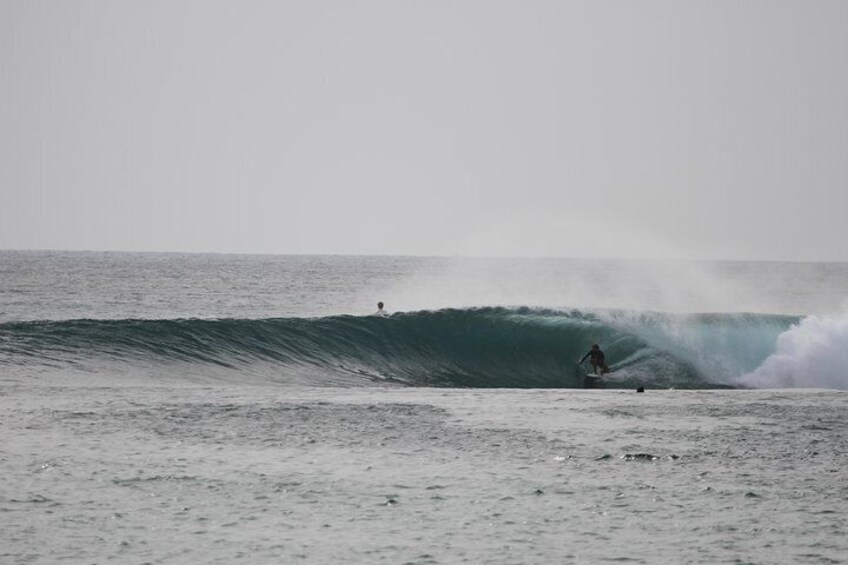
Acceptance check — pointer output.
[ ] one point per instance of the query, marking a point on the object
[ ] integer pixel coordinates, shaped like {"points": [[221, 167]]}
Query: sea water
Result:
{"points": [[168, 408]]}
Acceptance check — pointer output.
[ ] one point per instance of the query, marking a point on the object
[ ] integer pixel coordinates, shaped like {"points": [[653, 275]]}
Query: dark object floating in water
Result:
{"points": [[647, 457], [640, 389], [639, 457]]}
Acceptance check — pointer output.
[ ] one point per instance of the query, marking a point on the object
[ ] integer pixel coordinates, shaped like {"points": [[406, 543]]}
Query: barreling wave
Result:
{"points": [[481, 347]]}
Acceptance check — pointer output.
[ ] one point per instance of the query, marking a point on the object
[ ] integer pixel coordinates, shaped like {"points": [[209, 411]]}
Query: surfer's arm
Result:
{"points": [[584, 358]]}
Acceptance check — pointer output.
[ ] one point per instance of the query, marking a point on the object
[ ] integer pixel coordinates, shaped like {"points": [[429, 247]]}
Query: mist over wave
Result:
{"points": [[475, 347]]}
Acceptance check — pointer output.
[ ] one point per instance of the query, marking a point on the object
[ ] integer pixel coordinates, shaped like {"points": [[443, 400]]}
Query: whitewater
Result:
{"points": [[173, 408]]}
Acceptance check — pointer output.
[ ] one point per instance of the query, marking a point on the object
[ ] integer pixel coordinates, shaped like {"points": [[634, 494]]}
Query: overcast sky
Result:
{"points": [[686, 129]]}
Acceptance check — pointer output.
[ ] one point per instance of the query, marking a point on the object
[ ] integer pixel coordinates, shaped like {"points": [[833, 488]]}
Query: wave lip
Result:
{"points": [[478, 347]]}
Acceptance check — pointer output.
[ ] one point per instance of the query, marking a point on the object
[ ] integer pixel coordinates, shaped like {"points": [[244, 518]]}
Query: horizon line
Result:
{"points": [[422, 255]]}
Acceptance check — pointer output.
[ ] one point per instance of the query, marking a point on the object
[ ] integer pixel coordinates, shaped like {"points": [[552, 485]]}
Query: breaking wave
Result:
{"points": [[812, 353], [480, 347]]}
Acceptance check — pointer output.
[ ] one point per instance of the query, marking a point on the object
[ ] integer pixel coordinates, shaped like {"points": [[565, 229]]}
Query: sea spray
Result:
{"points": [[811, 354]]}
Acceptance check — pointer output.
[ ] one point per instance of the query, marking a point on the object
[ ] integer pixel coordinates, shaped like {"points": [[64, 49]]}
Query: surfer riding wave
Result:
{"points": [[597, 359]]}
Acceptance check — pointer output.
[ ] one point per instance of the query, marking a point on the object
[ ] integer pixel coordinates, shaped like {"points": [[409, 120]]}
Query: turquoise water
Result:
{"points": [[474, 347]]}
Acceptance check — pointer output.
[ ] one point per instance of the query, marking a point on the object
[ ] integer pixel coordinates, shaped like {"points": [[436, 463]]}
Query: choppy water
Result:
{"points": [[250, 409]]}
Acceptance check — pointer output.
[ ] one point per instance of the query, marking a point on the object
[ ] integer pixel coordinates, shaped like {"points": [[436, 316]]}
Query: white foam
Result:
{"points": [[811, 354]]}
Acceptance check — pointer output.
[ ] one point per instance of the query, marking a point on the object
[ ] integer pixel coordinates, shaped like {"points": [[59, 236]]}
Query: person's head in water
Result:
{"points": [[379, 306], [596, 346]]}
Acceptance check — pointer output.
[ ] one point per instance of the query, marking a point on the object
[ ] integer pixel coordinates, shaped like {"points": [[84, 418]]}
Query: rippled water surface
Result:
{"points": [[259, 474]]}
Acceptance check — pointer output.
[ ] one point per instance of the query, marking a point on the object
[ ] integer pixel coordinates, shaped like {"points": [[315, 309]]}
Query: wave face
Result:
{"points": [[482, 347]]}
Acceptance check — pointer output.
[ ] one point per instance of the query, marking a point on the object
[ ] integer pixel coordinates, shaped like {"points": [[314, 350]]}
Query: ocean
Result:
{"points": [[208, 408]]}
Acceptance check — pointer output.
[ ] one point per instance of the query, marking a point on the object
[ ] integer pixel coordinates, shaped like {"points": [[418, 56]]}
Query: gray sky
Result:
{"points": [[696, 129]]}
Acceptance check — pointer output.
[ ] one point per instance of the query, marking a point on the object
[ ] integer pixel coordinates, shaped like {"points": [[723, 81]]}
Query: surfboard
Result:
{"points": [[586, 379], [593, 381]]}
